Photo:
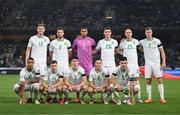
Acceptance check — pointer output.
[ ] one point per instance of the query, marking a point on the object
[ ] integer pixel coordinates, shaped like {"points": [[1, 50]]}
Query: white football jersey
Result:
{"points": [[151, 50], [27, 75], [122, 77], [60, 50], [130, 50], [107, 48], [52, 78], [39, 48], [98, 78], [75, 75]]}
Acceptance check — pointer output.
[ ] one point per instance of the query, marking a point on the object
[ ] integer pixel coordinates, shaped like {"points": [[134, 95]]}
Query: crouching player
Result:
{"points": [[98, 79], [30, 80], [55, 84], [120, 81], [76, 80]]}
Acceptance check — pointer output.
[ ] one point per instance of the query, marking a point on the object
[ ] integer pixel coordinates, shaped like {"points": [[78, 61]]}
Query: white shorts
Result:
{"points": [[110, 69], [52, 91], [133, 70], [28, 87], [153, 70], [40, 67]]}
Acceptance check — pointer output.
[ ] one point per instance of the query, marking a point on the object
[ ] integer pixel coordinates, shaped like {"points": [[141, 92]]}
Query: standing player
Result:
{"points": [[28, 82], [98, 78], [76, 79], [60, 50], [152, 48], [129, 47], [83, 45], [37, 49], [107, 47]]}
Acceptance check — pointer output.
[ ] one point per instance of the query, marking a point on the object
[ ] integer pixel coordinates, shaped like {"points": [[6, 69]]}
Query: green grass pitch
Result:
{"points": [[9, 102]]}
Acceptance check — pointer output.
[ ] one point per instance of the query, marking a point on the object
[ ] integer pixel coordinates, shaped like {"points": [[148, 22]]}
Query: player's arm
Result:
{"points": [[98, 47], [59, 83], [91, 84], [83, 82], [106, 83], [51, 54], [28, 50], [67, 83], [163, 55]]}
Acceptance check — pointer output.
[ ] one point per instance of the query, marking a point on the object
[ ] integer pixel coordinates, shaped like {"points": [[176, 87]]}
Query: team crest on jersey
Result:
{"points": [[65, 43]]}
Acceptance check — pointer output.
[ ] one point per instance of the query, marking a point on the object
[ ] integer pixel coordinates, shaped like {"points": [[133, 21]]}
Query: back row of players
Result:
{"points": [[104, 77]]}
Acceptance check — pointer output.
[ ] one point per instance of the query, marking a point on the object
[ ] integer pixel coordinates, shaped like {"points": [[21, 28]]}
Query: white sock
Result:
{"points": [[30, 94], [149, 90], [139, 91], [161, 90]]}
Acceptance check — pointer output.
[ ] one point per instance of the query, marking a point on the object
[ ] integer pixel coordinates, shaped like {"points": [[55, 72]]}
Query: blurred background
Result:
{"points": [[19, 19]]}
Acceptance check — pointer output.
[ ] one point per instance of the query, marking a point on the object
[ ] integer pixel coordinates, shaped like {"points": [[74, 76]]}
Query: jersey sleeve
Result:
{"points": [[98, 47], [21, 76], [91, 76], [60, 74], [106, 73], [121, 45], [30, 43], [159, 44], [93, 43], [69, 46], [115, 72], [115, 43], [137, 43], [51, 46], [82, 72], [47, 40], [66, 73]]}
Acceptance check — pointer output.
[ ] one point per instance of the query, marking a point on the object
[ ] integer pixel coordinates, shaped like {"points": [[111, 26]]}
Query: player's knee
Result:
{"points": [[136, 89], [16, 88], [159, 80], [35, 87], [90, 89]]}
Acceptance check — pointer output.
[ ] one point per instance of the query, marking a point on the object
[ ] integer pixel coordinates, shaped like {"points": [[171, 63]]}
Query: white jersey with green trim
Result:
{"points": [[38, 47], [75, 75], [60, 50], [98, 77], [130, 50], [107, 48], [151, 50], [53, 78], [122, 77]]}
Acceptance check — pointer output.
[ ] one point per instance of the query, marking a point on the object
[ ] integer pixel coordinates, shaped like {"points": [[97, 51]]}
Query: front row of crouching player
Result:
{"points": [[57, 82]]}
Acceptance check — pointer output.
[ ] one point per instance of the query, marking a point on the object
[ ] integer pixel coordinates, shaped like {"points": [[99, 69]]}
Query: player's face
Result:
{"points": [[60, 33], [123, 64], [98, 64], [30, 65], [148, 33], [107, 33], [74, 62], [54, 67], [84, 32], [128, 33], [40, 30]]}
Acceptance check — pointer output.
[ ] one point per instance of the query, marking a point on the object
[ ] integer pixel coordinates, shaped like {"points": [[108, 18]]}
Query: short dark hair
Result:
{"points": [[30, 58], [60, 28], [96, 59], [74, 57], [53, 62], [84, 28], [107, 28], [148, 28], [123, 59], [41, 25]]}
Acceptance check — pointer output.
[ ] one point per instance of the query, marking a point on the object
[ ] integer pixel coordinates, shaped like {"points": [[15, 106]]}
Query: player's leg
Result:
{"points": [[83, 93], [148, 76], [91, 95], [158, 74], [35, 89], [66, 94], [19, 90]]}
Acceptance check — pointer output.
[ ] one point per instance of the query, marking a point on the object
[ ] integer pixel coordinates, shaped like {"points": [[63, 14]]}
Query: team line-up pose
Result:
{"points": [[85, 75]]}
